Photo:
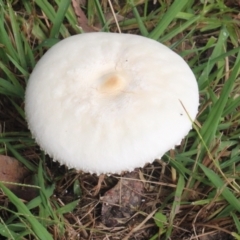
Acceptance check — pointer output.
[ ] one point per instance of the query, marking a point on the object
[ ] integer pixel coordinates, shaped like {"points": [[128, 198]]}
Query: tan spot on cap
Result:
{"points": [[112, 84]]}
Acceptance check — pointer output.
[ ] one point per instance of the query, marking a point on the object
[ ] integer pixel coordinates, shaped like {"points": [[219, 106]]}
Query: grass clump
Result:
{"points": [[193, 192]]}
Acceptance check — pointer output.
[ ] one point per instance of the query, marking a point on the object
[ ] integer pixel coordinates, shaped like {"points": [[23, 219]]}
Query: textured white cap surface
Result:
{"points": [[108, 102]]}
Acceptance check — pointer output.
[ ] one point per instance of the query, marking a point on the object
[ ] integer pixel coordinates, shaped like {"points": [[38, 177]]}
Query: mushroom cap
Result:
{"points": [[109, 102]]}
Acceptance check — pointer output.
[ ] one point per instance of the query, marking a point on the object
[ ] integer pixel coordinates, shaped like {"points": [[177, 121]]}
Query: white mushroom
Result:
{"points": [[108, 102]]}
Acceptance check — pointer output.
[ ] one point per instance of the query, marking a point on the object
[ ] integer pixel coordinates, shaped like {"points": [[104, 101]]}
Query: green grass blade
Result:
{"points": [[59, 17], [236, 221], [5, 40], [46, 209], [233, 104], [141, 25], [11, 77], [48, 9], [172, 12], [210, 126], [27, 6], [17, 38], [219, 184], [8, 89], [6, 232], [19, 67], [71, 18], [19, 109], [68, 207], [29, 56], [101, 16], [18, 156], [37, 227], [179, 29], [218, 50], [38, 200], [199, 69], [45, 200], [176, 204]]}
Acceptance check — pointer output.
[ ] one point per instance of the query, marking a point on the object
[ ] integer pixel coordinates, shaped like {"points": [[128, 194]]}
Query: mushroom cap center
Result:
{"points": [[112, 83]]}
